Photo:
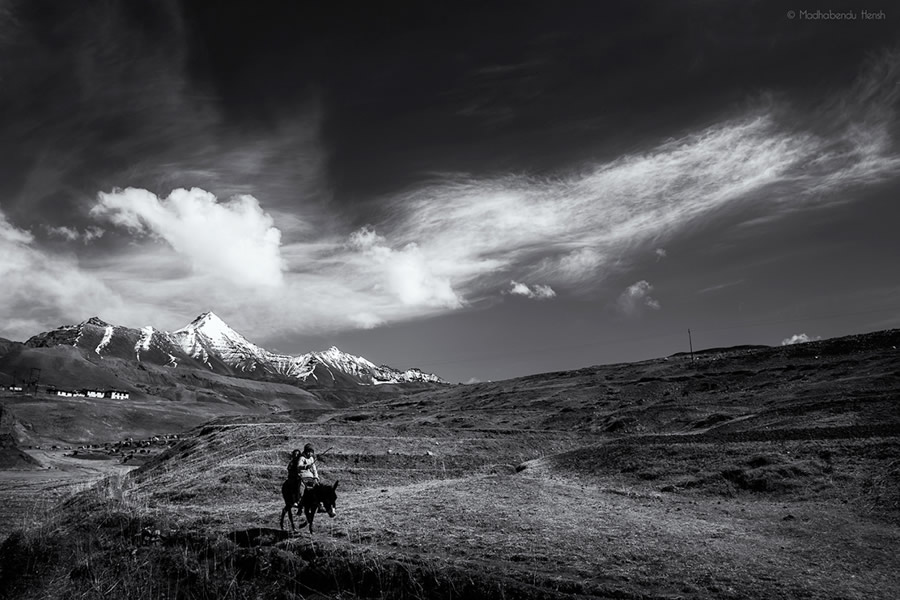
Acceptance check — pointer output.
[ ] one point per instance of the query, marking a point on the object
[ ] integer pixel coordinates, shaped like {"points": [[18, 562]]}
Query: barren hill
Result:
{"points": [[748, 473]]}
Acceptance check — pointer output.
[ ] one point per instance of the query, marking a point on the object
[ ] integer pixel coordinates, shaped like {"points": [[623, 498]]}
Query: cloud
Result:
{"points": [[573, 229], [660, 253], [538, 292], [82, 115], [235, 240], [442, 245], [636, 297], [72, 234], [798, 338], [367, 320], [41, 287], [66, 233], [720, 286], [409, 273]]}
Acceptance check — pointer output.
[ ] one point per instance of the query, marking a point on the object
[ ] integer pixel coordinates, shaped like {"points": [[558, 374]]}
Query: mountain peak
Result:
{"points": [[97, 321], [208, 322], [206, 316]]}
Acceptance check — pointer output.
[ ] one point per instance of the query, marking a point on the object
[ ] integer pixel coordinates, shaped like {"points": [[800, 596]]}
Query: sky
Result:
{"points": [[482, 192]]}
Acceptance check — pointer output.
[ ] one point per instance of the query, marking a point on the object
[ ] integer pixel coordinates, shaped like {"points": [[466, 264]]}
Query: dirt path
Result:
{"points": [[26, 495]]}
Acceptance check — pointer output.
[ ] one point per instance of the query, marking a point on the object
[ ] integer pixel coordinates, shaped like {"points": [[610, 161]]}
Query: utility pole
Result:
{"points": [[691, 343], [34, 376]]}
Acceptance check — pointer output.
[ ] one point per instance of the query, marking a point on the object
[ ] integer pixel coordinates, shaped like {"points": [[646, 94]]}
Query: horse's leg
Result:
{"points": [[291, 517], [286, 504], [310, 515], [289, 499]]}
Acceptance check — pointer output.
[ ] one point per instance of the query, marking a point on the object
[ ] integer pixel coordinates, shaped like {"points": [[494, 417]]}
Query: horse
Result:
{"points": [[319, 493]]}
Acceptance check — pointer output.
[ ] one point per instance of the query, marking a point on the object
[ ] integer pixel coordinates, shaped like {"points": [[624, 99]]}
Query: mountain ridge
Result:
{"points": [[208, 342]]}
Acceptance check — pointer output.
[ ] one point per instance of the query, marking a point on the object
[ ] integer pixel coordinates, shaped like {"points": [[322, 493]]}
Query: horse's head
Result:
{"points": [[328, 497]]}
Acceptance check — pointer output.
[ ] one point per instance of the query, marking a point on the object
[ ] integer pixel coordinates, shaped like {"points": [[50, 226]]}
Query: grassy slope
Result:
{"points": [[760, 474], [163, 399]]}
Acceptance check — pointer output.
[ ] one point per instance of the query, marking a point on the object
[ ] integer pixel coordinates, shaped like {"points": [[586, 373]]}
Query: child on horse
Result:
{"points": [[302, 469]]}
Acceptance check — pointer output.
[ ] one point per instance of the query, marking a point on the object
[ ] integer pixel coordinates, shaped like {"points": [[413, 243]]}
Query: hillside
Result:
{"points": [[748, 473], [162, 399]]}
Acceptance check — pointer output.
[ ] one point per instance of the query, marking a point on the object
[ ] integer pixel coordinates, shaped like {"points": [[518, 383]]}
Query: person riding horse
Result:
{"points": [[302, 488], [302, 471]]}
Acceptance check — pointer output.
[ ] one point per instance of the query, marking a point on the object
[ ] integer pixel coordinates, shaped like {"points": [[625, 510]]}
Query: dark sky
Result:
{"points": [[480, 191]]}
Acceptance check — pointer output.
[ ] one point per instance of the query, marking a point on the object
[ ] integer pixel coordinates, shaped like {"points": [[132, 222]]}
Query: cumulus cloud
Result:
{"points": [[538, 292], [798, 338], [636, 297], [409, 273], [235, 240], [660, 253]]}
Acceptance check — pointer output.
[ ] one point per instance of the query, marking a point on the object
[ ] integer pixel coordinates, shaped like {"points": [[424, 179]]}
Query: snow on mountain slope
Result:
{"points": [[144, 342], [210, 343], [208, 337], [107, 336]]}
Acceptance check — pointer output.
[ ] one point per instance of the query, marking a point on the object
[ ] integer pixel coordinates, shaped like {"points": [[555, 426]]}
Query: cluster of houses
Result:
{"points": [[82, 393], [114, 394]]}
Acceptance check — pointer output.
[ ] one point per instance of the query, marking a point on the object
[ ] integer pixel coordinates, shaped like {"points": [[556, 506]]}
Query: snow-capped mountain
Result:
{"points": [[208, 342]]}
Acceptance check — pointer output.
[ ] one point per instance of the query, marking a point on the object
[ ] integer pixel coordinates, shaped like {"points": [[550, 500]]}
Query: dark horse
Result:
{"points": [[324, 494]]}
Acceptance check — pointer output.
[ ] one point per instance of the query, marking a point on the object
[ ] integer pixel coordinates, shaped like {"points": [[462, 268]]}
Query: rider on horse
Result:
{"points": [[302, 469]]}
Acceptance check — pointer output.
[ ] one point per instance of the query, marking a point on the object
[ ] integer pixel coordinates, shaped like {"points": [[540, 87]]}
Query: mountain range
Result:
{"points": [[209, 343]]}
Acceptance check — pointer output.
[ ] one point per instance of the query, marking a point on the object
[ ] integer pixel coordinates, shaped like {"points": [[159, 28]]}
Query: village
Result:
{"points": [[82, 393], [127, 450]]}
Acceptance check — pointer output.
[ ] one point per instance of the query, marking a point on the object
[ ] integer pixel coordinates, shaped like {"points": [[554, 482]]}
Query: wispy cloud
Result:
{"points": [[573, 229], [129, 112], [41, 287], [720, 286], [636, 298]]}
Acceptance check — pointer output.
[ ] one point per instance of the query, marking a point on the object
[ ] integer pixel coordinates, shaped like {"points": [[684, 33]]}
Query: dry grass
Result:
{"points": [[536, 488], [589, 522]]}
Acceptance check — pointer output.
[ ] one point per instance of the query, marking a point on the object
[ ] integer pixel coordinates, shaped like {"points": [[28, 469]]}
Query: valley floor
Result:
{"points": [[526, 514], [26, 495]]}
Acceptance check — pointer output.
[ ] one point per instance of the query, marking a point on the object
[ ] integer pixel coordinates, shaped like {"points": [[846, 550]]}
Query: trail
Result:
{"points": [[26, 495]]}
